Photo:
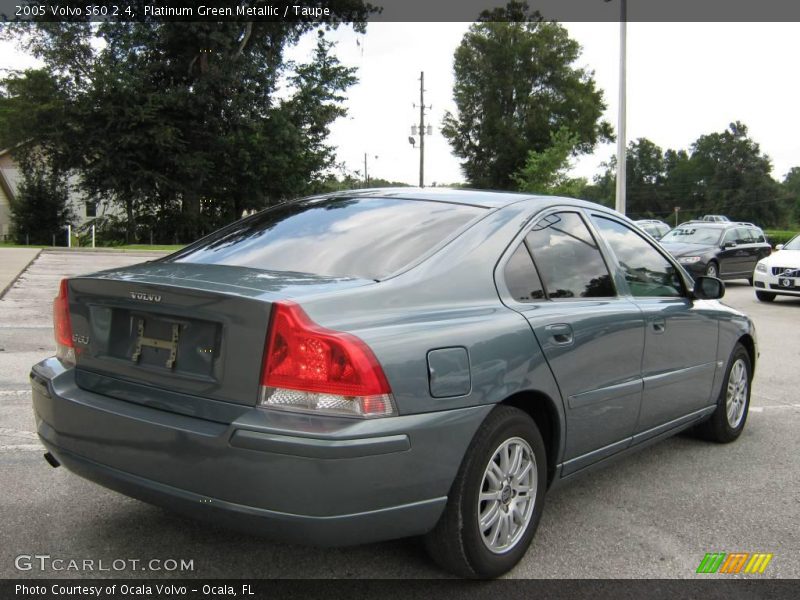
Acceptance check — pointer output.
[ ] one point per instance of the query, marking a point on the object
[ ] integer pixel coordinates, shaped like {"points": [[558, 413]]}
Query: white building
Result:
{"points": [[10, 176]]}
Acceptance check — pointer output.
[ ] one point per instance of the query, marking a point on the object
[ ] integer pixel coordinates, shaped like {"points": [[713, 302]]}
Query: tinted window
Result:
{"points": [[521, 277], [739, 235], [568, 259], [336, 237], [647, 272], [758, 236]]}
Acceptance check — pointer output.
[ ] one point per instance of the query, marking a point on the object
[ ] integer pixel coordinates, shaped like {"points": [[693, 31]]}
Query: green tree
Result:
{"points": [[516, 85], [187, 125], [40, 209], [790, 196], [546, 172], [732, 176]]}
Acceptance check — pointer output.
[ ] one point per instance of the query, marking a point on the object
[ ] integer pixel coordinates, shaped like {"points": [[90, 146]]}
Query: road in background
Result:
{"points": [[652, 515]]}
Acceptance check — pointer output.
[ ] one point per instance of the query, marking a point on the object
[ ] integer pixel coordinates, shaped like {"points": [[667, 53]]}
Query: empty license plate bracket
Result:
{"points": [[158, 343]]}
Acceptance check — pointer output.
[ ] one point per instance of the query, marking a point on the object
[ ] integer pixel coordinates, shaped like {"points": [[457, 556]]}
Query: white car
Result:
{"points": [[779, 273]]}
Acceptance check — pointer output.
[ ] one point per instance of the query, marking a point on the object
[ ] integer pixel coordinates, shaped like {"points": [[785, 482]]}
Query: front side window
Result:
{"points": [[744, 235], [366, 238], [647, 272], [568, 259]]}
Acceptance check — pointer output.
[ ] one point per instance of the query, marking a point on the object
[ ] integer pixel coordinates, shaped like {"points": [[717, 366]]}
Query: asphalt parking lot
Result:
{"points": [[652, 515]]}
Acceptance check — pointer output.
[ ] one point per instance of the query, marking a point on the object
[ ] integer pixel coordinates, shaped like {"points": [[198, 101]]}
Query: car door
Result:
{"points": [[735, 253], [591, 337], [679, 360]]}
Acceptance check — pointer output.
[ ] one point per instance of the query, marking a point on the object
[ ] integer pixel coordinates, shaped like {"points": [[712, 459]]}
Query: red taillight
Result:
{"points": [[62, 326], [310, 368], [301, 355]]}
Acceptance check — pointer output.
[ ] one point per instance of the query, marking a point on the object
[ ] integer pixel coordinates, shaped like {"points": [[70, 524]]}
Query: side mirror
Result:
{"points": [[708, 288], [729, 245], [779, 247]]}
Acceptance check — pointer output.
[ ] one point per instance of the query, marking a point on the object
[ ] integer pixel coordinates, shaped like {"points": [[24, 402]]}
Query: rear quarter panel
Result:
{"points": [[450, 300]]}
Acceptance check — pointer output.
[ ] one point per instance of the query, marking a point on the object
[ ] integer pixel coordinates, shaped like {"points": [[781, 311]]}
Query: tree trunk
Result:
{"points": [[130, 224]]}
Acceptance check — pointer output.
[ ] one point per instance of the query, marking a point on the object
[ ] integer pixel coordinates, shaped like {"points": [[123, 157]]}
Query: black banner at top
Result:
{"points": [[394, 10]]}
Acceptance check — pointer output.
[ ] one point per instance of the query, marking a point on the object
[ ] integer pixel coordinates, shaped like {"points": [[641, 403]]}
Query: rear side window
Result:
{"points": [[368, 238], [521, 277], [568, 259]]}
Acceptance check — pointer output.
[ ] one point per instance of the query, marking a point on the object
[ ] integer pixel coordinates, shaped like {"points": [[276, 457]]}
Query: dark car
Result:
{"points": [[724, 250], [387, 363], [654, 227]]}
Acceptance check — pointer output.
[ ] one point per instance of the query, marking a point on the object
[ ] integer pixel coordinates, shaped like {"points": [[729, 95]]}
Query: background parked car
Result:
{"points": [[724, 250], [779, 273], [654, 227], [715, 219]]}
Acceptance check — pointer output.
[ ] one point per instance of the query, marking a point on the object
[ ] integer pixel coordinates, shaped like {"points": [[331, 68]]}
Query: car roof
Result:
{"points": [[482, 198]]}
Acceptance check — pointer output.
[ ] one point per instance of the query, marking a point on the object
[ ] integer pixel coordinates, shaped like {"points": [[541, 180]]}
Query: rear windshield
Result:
{"points": [[368, 238]]}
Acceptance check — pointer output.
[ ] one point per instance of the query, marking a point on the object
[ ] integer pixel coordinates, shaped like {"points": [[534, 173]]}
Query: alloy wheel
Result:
{"points": [[507, 495], [737, 393]]}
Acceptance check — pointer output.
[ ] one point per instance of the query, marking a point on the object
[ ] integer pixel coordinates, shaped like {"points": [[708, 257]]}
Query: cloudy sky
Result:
{"points": [[684, 80]]}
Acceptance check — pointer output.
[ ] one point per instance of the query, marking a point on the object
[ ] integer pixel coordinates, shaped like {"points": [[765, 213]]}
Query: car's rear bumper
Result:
{"points": [[317, 480]]}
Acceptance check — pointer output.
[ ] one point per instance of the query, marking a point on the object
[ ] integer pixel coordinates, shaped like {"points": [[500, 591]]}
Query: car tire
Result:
{"points": [[712, 269], [727, 421], [492, 467], [765, 296], [750, 281]]}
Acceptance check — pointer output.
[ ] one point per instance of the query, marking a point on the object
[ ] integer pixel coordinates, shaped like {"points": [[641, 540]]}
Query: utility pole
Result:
{"points": [[366, 177], [621, 158], [422, 132], [422, 129]]}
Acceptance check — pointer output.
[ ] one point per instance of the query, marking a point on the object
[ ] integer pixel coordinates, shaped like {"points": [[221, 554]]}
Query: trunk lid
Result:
{"points": [[183, 329]]}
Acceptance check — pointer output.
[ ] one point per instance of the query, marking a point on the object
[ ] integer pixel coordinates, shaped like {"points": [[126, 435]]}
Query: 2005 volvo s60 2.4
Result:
{"points": [[387, 363]]}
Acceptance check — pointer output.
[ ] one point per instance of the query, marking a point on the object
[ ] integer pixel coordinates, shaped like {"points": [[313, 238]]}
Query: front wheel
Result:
{"points": [[727, 421], [765, 296], [712, 270], [496, 501]]}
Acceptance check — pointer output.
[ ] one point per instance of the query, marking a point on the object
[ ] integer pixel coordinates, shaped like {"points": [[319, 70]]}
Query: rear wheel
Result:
{"points": [[712, 270], [765, 296], [727, 421], [496, 500]]}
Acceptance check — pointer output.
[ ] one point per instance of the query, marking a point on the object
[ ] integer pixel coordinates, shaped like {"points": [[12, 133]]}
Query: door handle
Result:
{"points": [[659, 325], [560, 333]]}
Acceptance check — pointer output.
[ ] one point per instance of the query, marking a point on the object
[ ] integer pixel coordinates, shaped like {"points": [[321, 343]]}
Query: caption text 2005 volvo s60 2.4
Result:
{"points": [[386, 363]]}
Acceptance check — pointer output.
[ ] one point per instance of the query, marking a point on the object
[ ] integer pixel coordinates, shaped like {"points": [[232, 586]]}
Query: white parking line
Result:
{"points": [[18, 433], [21, 448]]}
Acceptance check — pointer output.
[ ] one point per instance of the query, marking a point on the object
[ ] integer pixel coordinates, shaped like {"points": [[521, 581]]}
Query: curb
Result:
{"points": [[13, 281], [65, 250]]}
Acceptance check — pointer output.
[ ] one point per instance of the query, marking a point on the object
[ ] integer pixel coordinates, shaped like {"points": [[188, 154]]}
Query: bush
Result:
{"points": [[779, 236]]}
